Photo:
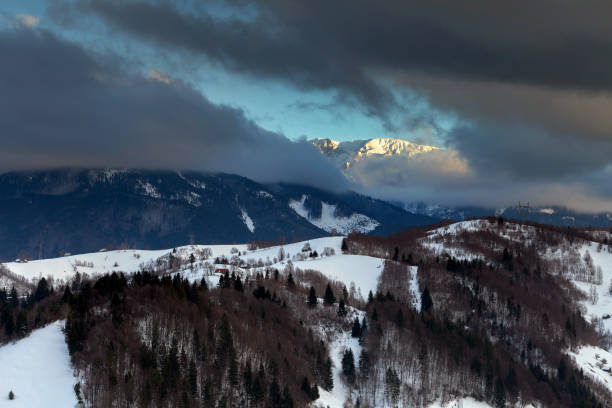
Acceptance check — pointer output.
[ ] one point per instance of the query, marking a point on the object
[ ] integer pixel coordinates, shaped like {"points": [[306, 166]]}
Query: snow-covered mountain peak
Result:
{"points": [[325, 145], [384, 146], [344, 154], [391, 147]]}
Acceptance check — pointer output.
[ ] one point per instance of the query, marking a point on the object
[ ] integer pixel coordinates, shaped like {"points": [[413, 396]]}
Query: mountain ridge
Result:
{"points": [[347, 152], [80, 210]]}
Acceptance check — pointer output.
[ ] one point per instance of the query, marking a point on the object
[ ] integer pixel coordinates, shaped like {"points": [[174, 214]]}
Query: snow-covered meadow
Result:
{"points": [[37, 370]]}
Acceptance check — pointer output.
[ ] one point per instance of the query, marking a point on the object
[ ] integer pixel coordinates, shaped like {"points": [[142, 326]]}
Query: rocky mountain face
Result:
{"points": [[344, 154], [44, 213]]}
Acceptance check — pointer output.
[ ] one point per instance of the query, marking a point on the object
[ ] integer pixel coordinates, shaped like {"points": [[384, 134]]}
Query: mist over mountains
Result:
{"points": [[385, 162]]}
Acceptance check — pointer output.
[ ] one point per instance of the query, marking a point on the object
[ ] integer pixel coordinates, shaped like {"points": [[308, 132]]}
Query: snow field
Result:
{"points": [[361, 271], [338, 343], [37, 369], [461, 403], [596, 363], [603, 306], [330, 221]]}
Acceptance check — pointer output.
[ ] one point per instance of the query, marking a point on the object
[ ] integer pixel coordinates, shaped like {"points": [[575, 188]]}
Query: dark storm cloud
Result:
{"points": [[62, 107], [317, 43], [263, 46], [544, 67]]}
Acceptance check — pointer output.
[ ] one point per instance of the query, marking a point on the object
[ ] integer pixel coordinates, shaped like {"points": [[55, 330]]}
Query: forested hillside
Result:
{"points": [[482, 313]]}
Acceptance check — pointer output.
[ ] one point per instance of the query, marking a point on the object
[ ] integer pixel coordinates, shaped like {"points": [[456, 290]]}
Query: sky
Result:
{"points": [[517, 97]]}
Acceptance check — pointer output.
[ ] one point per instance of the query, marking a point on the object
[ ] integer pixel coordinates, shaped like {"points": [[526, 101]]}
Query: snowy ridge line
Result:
{"points": [[359, 271]]}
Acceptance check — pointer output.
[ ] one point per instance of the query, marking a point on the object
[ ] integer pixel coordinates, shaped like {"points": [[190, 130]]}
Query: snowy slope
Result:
{"points": [[330, 221], [358, 270], [596, 363], [602, 259], [128, 261], [362, 271], [37, 369], [338, 343], [461, 403]]}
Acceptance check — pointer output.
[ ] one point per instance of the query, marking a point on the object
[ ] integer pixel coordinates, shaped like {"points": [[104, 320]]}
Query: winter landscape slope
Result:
{"points": [[358, 271], [495, 287], [37, 370]]}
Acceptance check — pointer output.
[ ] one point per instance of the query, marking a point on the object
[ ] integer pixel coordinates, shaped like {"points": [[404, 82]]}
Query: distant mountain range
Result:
{"points": [[44, 213], [553, 215]]}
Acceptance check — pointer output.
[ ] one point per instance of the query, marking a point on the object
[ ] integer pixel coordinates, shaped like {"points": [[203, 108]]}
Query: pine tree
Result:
{"points": [[356, 330], [238, 285], [14, 298], [499, 399], [193, 377], [348, 365], [287, 401], [314, 392], [290, 281], [186, 400], [562, 370], [328, 376], [364, 363], [21, 323], [225, 342], [258, 392], [341, 308], [42, 290], [489, 382], [305, 387], [344, 247], [399, 318], [392, 385], [247, 378], [275, 395], [312, 297], [426, 301], [329, 298], [511, 383], [207, 392], [232, 371], [197, 347]]}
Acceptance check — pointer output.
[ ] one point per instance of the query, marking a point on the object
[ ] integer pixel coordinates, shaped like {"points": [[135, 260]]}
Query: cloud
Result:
{"points": [[63, 107], [160, 75], [25, 20], [531, 105], [339, 45], [441, 168]]}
